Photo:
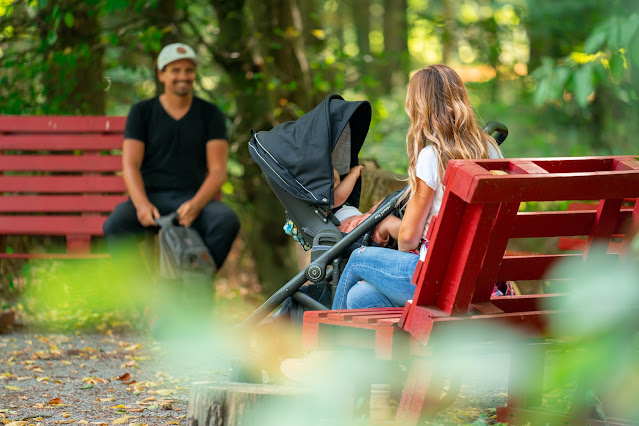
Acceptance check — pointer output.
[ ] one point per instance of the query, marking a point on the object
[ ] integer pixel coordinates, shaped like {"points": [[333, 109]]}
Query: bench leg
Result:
{"points": [[78, 243], [421, 394]]}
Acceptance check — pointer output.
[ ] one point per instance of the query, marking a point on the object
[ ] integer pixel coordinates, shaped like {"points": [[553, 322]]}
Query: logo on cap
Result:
{"points": [[181, 50]]}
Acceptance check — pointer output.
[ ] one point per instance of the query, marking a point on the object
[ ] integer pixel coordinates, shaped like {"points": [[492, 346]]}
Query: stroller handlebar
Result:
{"points": [[500, 128]]}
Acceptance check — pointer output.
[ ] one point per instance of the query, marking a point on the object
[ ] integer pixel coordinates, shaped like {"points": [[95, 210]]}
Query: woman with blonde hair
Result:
{"points": [[443, 127]]}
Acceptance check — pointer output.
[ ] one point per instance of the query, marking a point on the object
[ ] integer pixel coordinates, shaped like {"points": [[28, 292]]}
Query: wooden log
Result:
{"points": [[230, 404]]}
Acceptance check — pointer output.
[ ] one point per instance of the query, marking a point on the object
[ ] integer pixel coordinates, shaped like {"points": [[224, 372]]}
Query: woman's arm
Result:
{"points": [[414, 221]]}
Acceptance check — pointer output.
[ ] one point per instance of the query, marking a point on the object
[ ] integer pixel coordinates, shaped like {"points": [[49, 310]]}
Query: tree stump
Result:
{"points": [[7, 318], [230, 404], [377, 184]]}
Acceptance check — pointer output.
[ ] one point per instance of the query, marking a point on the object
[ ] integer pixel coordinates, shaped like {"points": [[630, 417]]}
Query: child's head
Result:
{"points": [[441, 115]]}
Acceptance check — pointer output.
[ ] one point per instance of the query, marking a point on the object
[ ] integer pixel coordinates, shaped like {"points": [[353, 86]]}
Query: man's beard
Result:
{"points": [[183, 91]]}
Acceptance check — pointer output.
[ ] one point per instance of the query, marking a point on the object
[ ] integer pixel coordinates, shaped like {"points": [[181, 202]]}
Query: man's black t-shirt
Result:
{"points": [[175, 150]]}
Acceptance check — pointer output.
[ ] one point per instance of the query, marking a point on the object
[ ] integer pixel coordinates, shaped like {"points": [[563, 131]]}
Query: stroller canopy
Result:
{"points": [[297, 154]]}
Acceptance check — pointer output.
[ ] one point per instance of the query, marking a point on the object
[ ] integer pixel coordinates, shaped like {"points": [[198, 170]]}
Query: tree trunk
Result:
{"points": [[73, 81], [361, 20], [164, 15], [395, 44], [448, 31], [251, 65]]}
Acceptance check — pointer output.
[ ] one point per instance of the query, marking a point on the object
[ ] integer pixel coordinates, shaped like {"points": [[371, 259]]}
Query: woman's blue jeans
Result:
{"points": [[376, 277]]}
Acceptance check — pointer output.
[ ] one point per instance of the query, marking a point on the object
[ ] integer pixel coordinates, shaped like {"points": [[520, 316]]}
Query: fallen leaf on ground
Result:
{"points": [[151, 398], [132, 347], [66, 414], [55, 401], [165, 392], [17, 424], [13, 388], [125, 377], [107, 399], [121, 420]]}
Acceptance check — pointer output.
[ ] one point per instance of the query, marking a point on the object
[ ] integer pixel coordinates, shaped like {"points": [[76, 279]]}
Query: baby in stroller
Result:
{"points": [[350, 217]]}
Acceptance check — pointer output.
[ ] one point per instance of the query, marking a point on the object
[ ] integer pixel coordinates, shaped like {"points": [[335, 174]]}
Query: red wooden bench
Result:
{"points": [[467, 254], [59, 176]]}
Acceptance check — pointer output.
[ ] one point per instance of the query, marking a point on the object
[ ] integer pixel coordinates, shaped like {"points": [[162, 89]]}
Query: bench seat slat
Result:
{"points": [[59, 203], [62, 184], [54, 256], [60, 163], [52, 225], [70, 142], [61, 124]]}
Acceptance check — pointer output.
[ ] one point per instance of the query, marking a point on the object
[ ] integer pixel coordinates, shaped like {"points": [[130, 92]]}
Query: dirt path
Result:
{"points": [[92, 379]]}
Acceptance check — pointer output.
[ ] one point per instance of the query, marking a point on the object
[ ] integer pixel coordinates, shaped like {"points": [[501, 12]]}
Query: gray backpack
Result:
{"points": [[183, 255]]}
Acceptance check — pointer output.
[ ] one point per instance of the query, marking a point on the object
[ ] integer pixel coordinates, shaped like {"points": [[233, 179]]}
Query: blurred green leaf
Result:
{"points": [[596, 40], [52, 37], [583, 84], [68, 19], [617, 66]]}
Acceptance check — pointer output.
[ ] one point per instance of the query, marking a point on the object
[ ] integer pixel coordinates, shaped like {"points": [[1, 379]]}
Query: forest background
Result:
{"points": [[562, 74]]}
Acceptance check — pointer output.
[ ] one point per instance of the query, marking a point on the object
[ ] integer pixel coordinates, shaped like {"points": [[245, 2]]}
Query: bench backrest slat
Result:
{"points": [[60, 163], [61, 142], [62, 124], [561, 223], [59, 203], [52, 225], [62, 184]]}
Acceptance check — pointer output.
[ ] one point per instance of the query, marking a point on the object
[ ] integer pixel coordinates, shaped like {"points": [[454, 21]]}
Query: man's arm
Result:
{"points": [[132, 156], [216, 161]]}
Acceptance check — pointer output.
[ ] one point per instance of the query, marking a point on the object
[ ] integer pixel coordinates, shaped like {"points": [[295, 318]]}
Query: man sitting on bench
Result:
{"points": [[174, 158]]}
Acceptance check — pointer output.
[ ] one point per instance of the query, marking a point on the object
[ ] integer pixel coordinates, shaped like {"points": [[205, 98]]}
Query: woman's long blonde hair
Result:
{"points": [[441, 115]]}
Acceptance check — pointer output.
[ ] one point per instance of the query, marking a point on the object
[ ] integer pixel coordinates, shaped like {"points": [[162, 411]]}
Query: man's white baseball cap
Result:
{"points": [[174, 52]]}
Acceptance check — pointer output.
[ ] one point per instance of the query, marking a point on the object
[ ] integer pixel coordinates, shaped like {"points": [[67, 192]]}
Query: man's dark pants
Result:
{"points": [[217, 224]]}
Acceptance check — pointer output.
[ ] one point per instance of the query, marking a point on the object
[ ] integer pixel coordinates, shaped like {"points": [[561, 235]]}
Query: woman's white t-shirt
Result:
{"points": [[427, 169]]}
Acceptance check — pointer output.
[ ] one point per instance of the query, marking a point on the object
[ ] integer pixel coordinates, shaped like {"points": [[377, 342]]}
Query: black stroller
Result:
{"points": [[297, 159]]}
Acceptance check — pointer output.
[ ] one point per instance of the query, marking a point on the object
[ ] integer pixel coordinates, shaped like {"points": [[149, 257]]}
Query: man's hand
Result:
{"points": [[147, 214], [188, 212]]}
